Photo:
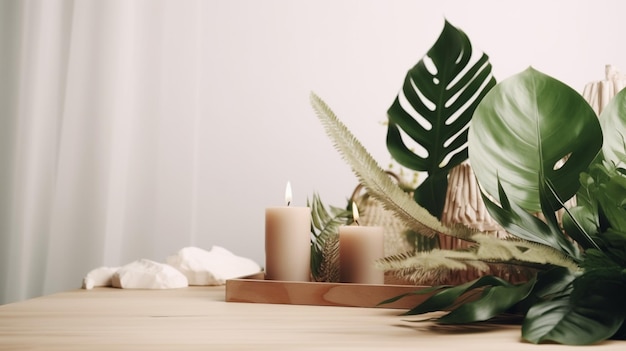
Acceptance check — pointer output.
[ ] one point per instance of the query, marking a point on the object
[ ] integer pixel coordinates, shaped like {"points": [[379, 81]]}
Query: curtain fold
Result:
{"points": [[99, 137], [37, 58]]}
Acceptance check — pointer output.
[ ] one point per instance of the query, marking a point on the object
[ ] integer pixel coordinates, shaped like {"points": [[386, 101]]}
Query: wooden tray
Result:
{"points": [[257, 290]]}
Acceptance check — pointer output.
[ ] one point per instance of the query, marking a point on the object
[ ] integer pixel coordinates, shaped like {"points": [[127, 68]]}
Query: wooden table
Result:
{"points": [[197, 318]]}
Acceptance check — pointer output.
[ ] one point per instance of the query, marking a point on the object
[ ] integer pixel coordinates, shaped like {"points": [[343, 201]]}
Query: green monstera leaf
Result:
{"points": [[521, 132], [433, 110]]}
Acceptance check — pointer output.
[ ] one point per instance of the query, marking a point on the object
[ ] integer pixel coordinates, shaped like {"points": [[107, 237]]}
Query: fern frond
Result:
{"points": [[325, 224], [429, 260], [507, 257], [329, 268], [490, 248], [377, 182], [434, 267]]}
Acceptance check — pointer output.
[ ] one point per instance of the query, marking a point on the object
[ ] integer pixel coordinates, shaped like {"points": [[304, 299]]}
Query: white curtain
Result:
{"points": [[99, 114]]}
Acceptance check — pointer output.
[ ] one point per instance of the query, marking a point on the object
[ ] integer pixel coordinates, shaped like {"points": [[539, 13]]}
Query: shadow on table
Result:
{"points": [[429, 325]]}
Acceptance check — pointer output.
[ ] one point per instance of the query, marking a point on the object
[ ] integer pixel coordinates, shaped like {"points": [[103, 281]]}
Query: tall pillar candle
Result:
{"points": [[359, 248], [288, 242]]}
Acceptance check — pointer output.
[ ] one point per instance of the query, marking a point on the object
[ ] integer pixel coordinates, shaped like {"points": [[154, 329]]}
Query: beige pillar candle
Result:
{"points": [[288, 241], [359, 248]]}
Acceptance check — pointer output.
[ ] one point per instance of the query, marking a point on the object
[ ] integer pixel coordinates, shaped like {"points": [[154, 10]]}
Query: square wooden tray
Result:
{"points": [[256, 289]]}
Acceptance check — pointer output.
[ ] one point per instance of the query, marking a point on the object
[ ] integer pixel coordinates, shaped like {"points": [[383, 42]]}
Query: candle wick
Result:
{"points": [[357, 222], [288, 203]]}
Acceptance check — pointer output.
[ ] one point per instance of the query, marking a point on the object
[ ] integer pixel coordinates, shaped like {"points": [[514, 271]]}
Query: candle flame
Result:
{"points": [[355, 213], [288, 195]]}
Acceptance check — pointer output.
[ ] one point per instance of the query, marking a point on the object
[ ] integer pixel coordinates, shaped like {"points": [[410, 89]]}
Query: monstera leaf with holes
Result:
{"points": [[433, 110], [530, 130]]}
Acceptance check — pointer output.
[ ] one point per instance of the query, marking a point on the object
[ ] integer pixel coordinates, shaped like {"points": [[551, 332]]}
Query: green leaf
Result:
{"points": [[447, 297], [550, 203], [412, 293], [591, 311], [613, 121], [560, 321], [580, 223], [429, 195], [602, 208], [524, 225], [523, 128], [585, 196], [612, 200], [553, 281], [597, 259], [583, 222], [613, 245], [433, 110], [550, 282], [494, 301]]}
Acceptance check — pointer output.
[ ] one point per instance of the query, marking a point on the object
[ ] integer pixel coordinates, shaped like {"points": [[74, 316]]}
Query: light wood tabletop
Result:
{"points": [[198, 318]]}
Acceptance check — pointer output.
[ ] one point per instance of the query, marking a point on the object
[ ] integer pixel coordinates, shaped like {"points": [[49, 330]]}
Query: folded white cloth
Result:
{"points": [[99, 277], [190, 266], [214, 267], [147, 274]]}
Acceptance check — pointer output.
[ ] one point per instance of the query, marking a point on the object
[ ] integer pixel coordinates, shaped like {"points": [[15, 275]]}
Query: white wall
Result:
{"points": [[268, 55]]}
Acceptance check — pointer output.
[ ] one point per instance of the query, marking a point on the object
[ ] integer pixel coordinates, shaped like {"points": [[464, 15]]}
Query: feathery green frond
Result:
{"points": [[325, 224], [377, 182], [431, 267], [520, 251], [329, 268], [500, 256], [434, 259]]}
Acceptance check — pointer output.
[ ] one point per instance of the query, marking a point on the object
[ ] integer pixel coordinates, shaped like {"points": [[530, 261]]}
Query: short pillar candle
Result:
{"points": [[288, 242], [359, 248]]}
